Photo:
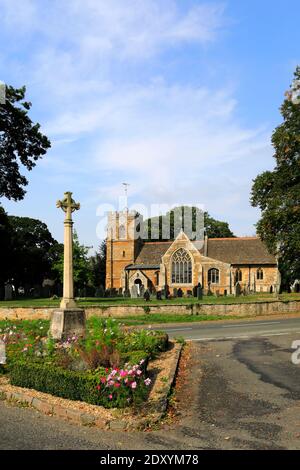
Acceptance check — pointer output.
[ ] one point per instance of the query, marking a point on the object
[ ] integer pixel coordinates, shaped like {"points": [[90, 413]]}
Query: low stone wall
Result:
{"points": [[239, 310]]}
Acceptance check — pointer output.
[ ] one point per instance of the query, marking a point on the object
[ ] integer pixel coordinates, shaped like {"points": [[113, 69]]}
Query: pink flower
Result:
{"points": [[139, 372], [133, 385], [147, 382], [98, 387], [110, 397], [103, 380], [117, 384]]}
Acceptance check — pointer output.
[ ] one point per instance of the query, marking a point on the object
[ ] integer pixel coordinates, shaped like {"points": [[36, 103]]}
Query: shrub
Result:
{"points": [[106, 387]]}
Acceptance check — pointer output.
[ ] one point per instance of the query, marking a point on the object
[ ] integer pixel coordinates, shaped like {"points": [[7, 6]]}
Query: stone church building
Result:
{"points": [[218, 264]]}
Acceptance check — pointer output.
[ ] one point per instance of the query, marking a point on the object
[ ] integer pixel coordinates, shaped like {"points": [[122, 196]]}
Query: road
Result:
{"points": [[210, 331]]}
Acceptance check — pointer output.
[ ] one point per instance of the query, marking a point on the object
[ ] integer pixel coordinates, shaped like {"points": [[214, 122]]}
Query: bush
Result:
{"points": [[150, 341], [83, 386]]}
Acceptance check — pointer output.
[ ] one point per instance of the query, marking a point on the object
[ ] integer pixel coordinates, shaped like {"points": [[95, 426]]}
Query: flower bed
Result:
{"points": [[108, 367]]}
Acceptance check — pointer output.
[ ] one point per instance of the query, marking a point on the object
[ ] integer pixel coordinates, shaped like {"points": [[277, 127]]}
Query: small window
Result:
{"points": [[259, 274], [213, 276], [238, 276], [123, 254], [157, 278]]}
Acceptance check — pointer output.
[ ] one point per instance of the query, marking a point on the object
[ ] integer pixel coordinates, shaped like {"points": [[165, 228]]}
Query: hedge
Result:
{"points": [[73, 385]]}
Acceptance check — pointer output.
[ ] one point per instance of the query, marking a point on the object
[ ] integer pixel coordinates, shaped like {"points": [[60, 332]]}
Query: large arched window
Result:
{"points": [[181, 267], [213, 276]]}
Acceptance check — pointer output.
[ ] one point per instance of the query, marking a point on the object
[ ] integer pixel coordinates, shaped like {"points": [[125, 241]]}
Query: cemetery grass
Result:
{"points": [[118, 301]]}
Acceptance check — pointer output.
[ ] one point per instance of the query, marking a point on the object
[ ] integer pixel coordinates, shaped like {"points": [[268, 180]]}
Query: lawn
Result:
{"points": [[116, 301]]}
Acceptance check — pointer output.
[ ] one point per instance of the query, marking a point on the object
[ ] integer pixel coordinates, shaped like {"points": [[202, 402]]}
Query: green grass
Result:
{"points": [[107, 302]]}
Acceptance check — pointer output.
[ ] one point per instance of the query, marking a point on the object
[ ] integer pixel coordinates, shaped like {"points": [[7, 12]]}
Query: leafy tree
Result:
{"points": [[21, 142], [213, 228], [98, 266], [81, 264], [5, 246], [277, 192], [30, 251]]}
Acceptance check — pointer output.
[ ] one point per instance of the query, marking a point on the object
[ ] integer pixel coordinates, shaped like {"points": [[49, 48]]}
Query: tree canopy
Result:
{"points": [[213, 228], [27, 248], [277, 192], [21, 142]]}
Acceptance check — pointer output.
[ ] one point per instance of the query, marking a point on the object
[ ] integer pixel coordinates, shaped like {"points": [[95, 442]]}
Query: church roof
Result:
{"points": [[152, 252], [241, 250]]}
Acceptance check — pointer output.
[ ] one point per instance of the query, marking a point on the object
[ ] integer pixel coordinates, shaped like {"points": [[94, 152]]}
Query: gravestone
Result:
{"points": [[134, 291], [175, 292], [8, 292], [179, 292], [158, 295], [142, 290], [199, 292], [147, 295], [2, 352], [238, 290]]}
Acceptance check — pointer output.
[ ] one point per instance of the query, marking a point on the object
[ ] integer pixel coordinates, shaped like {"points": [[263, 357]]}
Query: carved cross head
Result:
{"points": [[68, 205]]}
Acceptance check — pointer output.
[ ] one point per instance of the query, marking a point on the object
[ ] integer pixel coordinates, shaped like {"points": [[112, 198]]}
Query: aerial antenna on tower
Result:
{"points": [[126, 194]]}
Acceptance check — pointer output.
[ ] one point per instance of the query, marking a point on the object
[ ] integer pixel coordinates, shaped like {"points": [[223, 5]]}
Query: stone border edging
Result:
{"points": [[157, 407]]}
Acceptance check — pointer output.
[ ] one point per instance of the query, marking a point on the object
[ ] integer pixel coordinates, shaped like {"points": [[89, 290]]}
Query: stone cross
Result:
{"points": [[68, 205]]}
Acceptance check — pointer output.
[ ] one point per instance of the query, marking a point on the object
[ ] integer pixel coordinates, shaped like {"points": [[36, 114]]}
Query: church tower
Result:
{"points": [[123, 243]]}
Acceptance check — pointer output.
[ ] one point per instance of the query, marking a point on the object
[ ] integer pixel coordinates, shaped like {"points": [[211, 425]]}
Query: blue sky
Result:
{"points": [[177, 98]]}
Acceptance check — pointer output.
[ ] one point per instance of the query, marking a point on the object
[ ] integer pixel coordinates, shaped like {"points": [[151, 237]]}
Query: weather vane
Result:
{"points": [[126, 194]]}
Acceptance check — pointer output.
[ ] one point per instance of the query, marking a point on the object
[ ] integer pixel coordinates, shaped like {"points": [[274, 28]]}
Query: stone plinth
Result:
{"points": [[67, 322]]}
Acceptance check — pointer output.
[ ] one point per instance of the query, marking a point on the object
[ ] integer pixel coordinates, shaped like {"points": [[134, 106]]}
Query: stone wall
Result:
{"points": [[239, 310]]}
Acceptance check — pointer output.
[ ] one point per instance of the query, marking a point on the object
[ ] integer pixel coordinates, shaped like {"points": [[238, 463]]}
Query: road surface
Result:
{"points": [[208, 331]]}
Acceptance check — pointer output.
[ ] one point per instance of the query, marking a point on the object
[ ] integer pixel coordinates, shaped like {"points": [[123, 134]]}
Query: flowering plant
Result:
{"points": [[121, 387]]}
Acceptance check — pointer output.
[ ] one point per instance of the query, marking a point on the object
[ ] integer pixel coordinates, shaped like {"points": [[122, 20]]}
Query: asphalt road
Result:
{"points": [[233, 330]]}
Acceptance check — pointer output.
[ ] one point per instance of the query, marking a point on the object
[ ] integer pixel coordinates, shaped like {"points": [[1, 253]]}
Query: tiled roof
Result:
{"points": [[242, 250], [152, 252]]}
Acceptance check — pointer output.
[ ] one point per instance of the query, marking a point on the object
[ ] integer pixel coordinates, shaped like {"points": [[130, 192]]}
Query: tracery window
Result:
{"points": [[181, 267], [213, 276]]}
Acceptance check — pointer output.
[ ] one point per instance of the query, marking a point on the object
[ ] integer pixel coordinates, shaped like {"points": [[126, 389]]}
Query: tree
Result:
{"points": [[81, 265], [98, 266], [5, 246], [21, 142], [213, 228], [277, 192], [31, 251]]}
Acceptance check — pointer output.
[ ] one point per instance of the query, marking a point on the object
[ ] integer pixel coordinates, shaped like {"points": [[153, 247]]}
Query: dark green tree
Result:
{"points": [[21, 142], [5, 246], [213, 228], [98, 266], [31, 251], [81, 264], [277, 192]]}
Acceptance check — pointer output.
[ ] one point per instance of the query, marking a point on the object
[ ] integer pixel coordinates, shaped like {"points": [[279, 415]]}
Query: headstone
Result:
{"points": [[147, 295], [179, 292], [142, 290], [2, 352], [134, 291], [158, 295], [8, 293], [199, 292], [175, 292], [238, 290]]}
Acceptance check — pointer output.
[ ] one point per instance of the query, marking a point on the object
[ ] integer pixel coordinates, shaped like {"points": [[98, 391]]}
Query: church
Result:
{"points": [[218, 264]]}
